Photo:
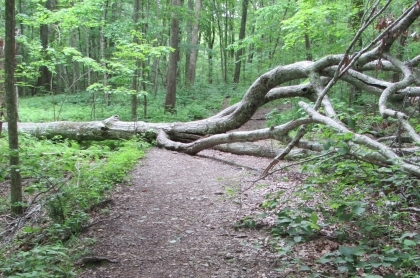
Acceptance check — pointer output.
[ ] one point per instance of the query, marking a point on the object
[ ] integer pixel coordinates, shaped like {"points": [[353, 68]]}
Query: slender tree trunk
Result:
{"points": [[210, 35], [45, 74], [173, 60], [2, 92], [308, 47], [12, 113], [239, 53], [224, 49], [135, 78], [103, 58], [156, 63], [188, 49], [356, 21], [145, 73], [194, 44], [221, 40], [75, 72]]}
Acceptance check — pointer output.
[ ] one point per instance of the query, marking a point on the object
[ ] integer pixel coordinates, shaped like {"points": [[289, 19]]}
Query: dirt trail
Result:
{"points": [[177, 217]]}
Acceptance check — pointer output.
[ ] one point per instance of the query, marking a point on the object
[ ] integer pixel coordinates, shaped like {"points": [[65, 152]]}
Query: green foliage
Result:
{"points": [[362, 205], [68, 179], [276, 117], [298, 224], [41, 261], [310, 18], [192, 105]]}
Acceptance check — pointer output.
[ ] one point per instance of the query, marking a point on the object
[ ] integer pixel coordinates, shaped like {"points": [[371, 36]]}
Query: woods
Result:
{"points": [[354, 68], [347, 71]]}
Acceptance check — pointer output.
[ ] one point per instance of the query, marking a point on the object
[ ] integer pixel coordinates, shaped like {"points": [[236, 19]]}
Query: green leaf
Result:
{"points": [[348, 251], [324, 260], [314, 218], [408, 234], [345, 217], [408, 243], [297, 238], [327, 145], [358, 209], [304, 268], [344, 150]]}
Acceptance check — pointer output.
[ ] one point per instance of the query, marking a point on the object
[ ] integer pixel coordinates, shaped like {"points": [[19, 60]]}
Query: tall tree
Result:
{"points": [[209, 33], [239, 53], [2, 93], [191, 67], [103, 57], [135, 78], [173, 59], [12, 113], [45, 74]]}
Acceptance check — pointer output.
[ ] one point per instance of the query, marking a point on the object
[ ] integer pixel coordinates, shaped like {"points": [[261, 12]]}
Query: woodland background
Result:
{"points": [[181, 61]]}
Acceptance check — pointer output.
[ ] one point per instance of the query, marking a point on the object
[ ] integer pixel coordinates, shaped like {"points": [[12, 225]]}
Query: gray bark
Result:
{"points": [[12, 111], [219, 131], [170, 100]]}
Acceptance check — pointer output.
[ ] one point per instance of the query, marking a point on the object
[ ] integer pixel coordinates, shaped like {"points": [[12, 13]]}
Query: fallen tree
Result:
{"points": [[356, 69]]}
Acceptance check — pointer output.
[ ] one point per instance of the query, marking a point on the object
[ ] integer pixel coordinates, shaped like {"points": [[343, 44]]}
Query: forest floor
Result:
{"points": [[177, 219]]}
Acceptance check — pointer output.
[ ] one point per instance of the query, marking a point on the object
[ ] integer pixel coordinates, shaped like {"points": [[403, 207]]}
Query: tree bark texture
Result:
{"points": [[45, 74], [219, 131], [135, 78], [194, 44], [170, 100], [2, 92], [240, 51], [12, 113]]}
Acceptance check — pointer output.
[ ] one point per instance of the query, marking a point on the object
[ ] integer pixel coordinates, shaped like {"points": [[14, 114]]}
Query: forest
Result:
{"points": [[99, 82]]}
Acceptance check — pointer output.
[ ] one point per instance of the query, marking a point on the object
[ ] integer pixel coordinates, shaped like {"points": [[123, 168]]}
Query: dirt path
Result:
{"points": [[177, 220]]}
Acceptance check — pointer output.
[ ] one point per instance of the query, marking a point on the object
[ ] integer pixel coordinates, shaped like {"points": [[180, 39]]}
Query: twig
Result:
{"points": [[284, 167], [411, 209]]}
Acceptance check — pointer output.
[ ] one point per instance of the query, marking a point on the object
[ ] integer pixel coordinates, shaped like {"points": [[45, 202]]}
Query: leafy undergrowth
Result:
{"points": [[87, 106], [349, 218], [63, 181]]}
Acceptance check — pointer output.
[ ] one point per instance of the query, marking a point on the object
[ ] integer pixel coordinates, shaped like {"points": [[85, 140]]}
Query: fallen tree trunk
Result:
{"points": [[219, 131]]}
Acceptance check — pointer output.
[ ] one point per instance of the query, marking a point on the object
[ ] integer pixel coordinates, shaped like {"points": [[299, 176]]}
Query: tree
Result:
{"points": [[45, 74], [135, 78], [359, 69], [192, 61], [12, 113], [239, 52], [2, 92], [173, 59]]}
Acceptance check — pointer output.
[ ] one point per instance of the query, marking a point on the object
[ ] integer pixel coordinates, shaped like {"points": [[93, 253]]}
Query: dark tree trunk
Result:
{"points": [[173, 60], [239, 53], [45, 74]]}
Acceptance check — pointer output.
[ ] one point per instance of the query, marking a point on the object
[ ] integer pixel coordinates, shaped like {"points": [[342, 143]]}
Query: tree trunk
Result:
{"points": [[135, 78], [188, 30], [2, 91], [173, 60], [239, 52], [103, 58], [322, 74], [194, 44], [221, 43], [45, 74], [12, 113], [210, 34]]}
